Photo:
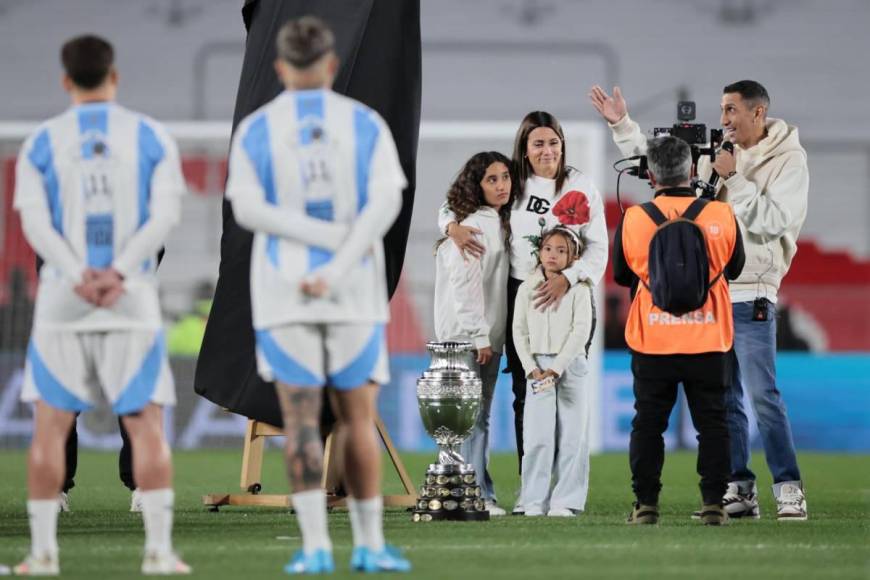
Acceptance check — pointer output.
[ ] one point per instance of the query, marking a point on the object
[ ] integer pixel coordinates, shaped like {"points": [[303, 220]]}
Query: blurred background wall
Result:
{"points": [[493, 61]]}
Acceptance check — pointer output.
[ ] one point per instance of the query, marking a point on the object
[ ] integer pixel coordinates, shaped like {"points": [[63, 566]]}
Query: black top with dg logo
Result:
{"points": [[538, 205]]}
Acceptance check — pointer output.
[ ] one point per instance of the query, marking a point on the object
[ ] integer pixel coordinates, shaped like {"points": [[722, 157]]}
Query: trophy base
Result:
{"points": [[450, 493], [456, 516], [450, 469]]}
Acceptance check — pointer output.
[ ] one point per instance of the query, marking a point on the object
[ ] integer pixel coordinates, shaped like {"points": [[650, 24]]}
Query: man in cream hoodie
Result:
{"points": [[766, 181]]}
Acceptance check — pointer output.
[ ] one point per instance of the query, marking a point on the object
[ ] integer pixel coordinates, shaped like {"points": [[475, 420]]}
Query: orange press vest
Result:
{"points": [[650, 330]]}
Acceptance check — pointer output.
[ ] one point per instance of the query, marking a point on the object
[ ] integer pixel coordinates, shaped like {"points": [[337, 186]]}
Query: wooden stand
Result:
{"points": [[252, 469]]}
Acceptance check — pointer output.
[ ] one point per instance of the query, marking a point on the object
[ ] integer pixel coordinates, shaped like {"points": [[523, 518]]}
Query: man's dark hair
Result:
{"points": [[670, 160], [750, 91], [87, 60], [303, 41]]}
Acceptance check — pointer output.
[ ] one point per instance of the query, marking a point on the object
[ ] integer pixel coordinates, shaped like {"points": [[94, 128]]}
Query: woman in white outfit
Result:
{"points": [[553, 194], [470, 302]]}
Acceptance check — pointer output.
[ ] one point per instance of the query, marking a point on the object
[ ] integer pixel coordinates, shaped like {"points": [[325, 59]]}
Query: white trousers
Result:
{"points": [[556, 440]]}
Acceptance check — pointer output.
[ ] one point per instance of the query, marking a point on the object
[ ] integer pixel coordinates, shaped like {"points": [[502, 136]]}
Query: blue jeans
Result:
{"points": [[754, 364], [475, 449]]}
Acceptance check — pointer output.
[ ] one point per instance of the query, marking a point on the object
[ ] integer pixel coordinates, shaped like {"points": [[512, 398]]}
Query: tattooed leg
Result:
{"points": [[300, 408]]}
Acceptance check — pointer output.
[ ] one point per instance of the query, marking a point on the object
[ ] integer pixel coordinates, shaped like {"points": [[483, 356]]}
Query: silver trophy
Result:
{"points": [[448, 395]]}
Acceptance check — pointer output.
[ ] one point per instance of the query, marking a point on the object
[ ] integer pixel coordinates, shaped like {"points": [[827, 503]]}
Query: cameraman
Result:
{"points": [[766, 183], [667, 349]]}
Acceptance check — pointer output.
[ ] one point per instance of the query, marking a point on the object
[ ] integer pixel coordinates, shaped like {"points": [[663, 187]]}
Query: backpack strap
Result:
{"points": [[694, 209], [654, 213]]}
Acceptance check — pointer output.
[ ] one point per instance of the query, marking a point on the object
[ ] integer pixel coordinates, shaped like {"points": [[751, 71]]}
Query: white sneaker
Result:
{"points": [[63, 502], [561, 513], [740, 503], [136, 501], [493, 508], [534, 512], [791, 504], [518, 510], [157, 564], [33, 566]]}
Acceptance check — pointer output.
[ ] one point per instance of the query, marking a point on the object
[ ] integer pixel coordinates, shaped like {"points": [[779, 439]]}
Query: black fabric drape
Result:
{"points": [[378, 42]]}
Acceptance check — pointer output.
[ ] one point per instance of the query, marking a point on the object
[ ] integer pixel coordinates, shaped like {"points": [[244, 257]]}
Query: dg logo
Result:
{"points": [[538, 205]]}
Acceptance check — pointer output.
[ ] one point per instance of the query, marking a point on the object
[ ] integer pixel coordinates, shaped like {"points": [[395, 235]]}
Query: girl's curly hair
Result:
{"points": [[465, 195]]}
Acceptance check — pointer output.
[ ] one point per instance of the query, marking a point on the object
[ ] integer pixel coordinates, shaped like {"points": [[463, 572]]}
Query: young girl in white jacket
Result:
{"points": [[470, 300], [552, 345]]}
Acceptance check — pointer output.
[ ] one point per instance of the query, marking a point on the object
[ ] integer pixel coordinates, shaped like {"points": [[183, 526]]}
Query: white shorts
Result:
{"points": [[68, 370], [343, 356]]}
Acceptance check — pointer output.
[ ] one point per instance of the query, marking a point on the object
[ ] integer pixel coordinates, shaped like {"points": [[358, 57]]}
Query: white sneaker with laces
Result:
{"points": [[493, 508], [34, 566], [136, 501], [561, 513], [791, 503], [63, 502], [741, 500], [157, 564]]}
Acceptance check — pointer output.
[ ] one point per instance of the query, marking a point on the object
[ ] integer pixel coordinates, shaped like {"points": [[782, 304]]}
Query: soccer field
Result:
{"points": [[101, 539]]}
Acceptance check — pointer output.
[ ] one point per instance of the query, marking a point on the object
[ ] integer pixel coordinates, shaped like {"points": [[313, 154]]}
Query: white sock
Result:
{"points": [[43, 526], [157, 505], [355, 525], [310, 509], [367, 522]]}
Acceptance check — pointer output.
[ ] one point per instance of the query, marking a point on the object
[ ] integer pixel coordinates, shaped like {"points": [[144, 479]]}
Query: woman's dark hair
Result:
{"points": [[532, 121], [303, 41], [87, 60], [465, 195]]}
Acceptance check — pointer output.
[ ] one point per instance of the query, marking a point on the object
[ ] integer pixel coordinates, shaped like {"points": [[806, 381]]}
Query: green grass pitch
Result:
{"points": [[100, 539]]}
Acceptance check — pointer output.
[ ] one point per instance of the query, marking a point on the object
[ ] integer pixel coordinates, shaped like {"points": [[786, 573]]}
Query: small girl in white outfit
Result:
{"points": [[553, 345]]}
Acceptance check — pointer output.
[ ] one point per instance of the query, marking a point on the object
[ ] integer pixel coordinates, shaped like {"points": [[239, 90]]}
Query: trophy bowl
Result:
{"points": [[448, 396]]}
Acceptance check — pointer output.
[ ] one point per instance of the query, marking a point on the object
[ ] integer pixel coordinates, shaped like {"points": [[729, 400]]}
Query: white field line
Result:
{"points": [[675, 547]]}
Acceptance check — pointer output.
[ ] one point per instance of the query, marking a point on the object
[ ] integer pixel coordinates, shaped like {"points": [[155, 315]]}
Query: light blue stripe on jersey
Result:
{"points": [[93, 127], [93, 121], [359, 372], [310, 118], [322, 210], [42, 159], [151, 153], [50, 389], [257, 146], [284, 368], [138, 392], [308, 104], [366, 132]]}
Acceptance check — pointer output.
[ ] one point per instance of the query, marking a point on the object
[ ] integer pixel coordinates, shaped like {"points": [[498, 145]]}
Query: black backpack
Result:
{"points": [[679, 269]]}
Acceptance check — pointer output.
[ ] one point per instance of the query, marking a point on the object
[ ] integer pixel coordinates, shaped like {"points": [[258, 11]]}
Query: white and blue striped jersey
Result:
{"points": [[98, 186], [316, 176]]}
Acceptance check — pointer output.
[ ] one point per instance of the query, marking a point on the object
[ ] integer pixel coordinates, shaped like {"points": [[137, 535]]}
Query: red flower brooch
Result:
{"points": [[572, 209]]}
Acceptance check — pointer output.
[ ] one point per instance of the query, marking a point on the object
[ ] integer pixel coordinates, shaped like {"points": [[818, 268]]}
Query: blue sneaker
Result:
{"points": [[320, 562], [389, 559]]}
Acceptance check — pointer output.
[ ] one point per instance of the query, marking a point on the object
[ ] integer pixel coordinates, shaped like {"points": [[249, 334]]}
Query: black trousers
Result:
{"points": [[705, 378], [518, 375], [125, 458]]}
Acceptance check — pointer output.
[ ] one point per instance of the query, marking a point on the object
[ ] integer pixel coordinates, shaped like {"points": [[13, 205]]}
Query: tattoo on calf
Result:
{"points": [[304, 446]]}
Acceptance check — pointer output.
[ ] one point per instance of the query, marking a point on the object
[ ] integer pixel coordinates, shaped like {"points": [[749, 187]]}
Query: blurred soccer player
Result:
{"points": [[98, 188], [315, 175]]}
